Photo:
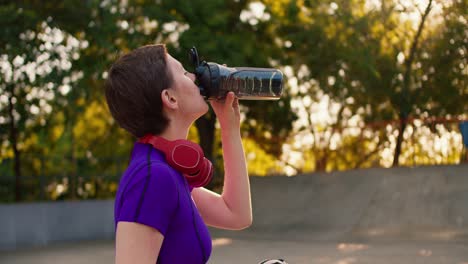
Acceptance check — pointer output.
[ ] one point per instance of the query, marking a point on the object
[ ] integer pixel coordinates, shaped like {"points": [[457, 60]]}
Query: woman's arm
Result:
{"points": [[232, 209], [137, 243]]}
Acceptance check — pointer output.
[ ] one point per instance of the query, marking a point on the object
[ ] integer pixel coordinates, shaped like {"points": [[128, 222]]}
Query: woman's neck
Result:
{"points": [[175, 131]]}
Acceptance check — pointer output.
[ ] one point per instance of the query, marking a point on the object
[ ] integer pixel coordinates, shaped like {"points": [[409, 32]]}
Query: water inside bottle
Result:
{"points": [[252, 83]]}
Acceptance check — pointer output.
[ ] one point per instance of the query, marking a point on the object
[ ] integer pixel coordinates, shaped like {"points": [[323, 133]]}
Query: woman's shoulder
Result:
{"points": [[144, 155], [150, 167], [147, 164]]}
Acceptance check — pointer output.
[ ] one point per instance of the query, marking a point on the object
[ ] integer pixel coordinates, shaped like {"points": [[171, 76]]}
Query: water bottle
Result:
{"points": [[247, 83]]}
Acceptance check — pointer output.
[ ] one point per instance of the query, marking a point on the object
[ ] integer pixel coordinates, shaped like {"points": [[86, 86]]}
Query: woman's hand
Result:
{"points": [[227, 111]]}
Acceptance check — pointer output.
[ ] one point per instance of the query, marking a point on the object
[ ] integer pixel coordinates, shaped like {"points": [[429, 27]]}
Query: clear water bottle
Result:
{"points": [[215, 80]]}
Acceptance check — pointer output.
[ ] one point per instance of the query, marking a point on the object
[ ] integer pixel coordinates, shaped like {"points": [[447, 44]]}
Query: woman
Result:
{"points": [[159, 218]]}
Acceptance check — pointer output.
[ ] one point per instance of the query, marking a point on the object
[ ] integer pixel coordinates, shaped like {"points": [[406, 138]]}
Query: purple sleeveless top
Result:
{"points": [[158, 196]]}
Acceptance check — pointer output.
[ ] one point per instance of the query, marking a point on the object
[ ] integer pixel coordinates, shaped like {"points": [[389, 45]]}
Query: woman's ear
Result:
{"points": [[168, 99]]}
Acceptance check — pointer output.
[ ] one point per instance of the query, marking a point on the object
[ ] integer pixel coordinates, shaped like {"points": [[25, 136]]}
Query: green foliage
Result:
{"points": [[374, 64], [76, 134], [54, 55]]}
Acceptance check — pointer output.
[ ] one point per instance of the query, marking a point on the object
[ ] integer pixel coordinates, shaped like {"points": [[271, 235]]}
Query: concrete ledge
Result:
{"points": [[39, 224], [427, 202], [404, 203]]}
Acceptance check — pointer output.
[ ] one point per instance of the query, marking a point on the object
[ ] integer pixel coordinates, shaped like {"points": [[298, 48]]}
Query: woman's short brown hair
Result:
{"points": [[133, 90]]}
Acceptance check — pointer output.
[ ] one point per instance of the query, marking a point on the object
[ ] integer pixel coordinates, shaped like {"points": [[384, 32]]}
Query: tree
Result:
{"points": [[34, 61], [221, 36], [406, 102], [100, 31], [368, 59]]}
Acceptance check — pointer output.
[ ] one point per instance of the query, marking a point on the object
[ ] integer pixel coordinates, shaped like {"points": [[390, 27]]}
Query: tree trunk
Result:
{"points": [[405, 106], [321, 162], [14, 144], [206, 133], [401, 130]]}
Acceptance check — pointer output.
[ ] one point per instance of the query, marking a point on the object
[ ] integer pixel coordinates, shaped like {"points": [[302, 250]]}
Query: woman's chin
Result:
{"points": [[203, 113]]}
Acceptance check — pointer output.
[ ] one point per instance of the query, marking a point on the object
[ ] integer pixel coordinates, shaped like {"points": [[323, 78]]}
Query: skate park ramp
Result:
{"points": [[423, 203], [399, 215]]}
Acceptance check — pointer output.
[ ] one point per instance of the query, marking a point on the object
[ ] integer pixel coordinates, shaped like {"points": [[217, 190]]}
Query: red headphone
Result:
{"points": [[184, 156]]}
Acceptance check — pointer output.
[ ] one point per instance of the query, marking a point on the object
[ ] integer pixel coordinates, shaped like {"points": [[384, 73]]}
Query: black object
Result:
{"points": [[215, 80], [273, 261]]}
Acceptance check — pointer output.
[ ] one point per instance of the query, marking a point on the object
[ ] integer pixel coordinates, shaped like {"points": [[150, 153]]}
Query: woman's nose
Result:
{"points": [[192, 76]]}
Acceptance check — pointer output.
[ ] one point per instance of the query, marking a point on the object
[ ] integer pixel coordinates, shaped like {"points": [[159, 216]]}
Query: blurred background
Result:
{"points": [[369, 141], [369, 83]]}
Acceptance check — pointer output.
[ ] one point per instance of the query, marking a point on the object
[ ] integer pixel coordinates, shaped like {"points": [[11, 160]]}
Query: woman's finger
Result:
{"points": [[230, 99]]}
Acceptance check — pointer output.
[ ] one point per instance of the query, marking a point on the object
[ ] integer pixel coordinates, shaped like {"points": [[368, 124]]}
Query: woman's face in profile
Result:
{"points": [[188, 95]]}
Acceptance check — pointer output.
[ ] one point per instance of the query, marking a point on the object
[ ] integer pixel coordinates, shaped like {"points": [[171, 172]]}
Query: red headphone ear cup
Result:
{"points": [[204, 175], [208, 171], [185, 157]]}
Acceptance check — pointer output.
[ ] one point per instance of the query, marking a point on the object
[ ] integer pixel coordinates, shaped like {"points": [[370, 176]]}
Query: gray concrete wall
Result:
{"points": [[422, 203], [428, 202], [39, 224]]}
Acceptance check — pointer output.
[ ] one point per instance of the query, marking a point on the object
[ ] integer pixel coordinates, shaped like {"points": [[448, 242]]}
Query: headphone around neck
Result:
{"points": [[185, 157]]}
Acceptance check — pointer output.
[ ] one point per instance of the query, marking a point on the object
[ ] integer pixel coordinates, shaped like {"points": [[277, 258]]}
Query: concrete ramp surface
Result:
{"points": [[429, 203], [398, 215]]}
